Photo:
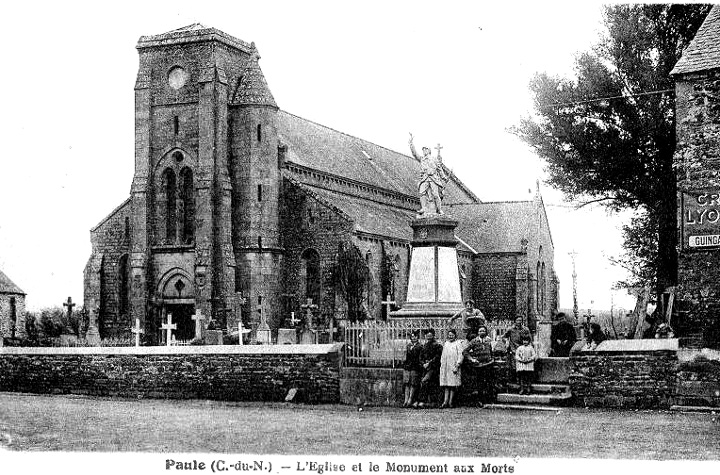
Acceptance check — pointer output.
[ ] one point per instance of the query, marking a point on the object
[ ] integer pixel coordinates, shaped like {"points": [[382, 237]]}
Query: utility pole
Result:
{"points": [[574, 278]]}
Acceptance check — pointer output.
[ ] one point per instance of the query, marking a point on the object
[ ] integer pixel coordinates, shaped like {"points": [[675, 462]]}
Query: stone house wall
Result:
{"points": [[6, 319], [697, 162]]}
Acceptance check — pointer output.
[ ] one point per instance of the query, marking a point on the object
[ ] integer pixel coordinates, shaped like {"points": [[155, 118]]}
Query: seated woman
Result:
{"points": [[594, 337]]}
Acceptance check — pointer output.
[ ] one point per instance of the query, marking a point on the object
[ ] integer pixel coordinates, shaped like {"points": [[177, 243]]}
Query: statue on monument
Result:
{"points": [[432, 179]]}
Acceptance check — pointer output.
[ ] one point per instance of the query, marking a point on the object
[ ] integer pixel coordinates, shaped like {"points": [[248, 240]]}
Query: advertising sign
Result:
{"points": [[700, 219]]}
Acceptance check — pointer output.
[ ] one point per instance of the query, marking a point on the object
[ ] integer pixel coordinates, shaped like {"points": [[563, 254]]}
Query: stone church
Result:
{"points": [[12, 309], [233, 196]]}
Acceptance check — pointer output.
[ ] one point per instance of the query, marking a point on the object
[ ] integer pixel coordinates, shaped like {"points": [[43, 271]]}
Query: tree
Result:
{"points": [[351, 276], [608, 136]]}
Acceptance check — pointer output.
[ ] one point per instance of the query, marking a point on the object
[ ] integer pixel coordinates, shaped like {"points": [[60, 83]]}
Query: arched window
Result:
{"points": [[187, 204], [543, 288], [124, 285], [259, 132], [170, 188], [13, 317], [311, 273], [537, 287]]}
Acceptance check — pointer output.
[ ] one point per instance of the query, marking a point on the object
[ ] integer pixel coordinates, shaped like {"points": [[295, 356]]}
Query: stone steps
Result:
{"points": [[548, 399], [541, 388], [703, 409], [522, 407]]}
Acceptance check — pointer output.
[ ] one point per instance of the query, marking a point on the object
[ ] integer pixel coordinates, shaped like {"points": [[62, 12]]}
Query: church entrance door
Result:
{"points": [[181, 316]]}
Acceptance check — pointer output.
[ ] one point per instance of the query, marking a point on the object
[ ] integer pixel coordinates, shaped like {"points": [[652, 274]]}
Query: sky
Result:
{"points": [[454, 73]]}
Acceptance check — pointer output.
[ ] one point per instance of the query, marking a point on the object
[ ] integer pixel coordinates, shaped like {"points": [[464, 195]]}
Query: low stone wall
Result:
{"points": [[376, 386], [698, 378], [626, 373], [233, 373]]}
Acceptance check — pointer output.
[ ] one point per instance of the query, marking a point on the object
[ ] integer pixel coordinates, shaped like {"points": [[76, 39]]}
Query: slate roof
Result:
{"points": [[369, 216], [7, 286], [703, 53], [324, 149], [252, 88], [493, 226]]}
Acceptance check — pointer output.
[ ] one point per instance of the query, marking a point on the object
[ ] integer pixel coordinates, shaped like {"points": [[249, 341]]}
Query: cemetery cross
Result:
{"points": [[169, 327], [137, 331]]}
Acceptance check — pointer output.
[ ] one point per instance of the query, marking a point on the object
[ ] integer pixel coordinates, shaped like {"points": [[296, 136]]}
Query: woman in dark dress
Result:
{"points": [[412, 369], [595, 337]]}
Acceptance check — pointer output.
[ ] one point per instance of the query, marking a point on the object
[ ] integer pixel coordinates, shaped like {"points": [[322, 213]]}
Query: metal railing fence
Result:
{"points": [[383, 343]]}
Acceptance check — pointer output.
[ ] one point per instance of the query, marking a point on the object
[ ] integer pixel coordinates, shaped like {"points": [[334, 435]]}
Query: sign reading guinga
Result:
{"points": [[700, 219]]}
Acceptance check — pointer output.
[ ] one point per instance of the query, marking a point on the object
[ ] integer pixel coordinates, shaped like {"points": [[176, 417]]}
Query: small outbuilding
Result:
{"points": [[12, 308]]}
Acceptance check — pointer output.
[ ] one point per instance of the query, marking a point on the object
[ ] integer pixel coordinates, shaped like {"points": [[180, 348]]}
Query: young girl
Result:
{"points": [[525, 357]]}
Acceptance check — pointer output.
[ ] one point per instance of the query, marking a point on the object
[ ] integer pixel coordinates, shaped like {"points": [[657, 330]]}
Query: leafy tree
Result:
{"points": [[351, 276], [608, 135]]}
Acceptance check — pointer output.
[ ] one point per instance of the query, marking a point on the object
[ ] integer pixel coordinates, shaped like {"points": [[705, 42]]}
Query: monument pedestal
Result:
{"points": [[544, 343], [434, 280]]}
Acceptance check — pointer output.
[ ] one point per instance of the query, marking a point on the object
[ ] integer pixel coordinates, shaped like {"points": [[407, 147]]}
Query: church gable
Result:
{"points": [[493, 227]]}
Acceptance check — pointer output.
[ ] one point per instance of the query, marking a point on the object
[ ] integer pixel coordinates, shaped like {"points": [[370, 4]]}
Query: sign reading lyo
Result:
{"points": [[700, 219]]}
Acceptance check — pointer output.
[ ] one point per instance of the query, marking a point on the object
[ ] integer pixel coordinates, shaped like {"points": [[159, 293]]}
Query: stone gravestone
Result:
{"points": [[137, 331], [309, 334], [67, 338], [263, 334], [288, 336], [169, 327], [242, 331], [92, 337], [198, 318]]}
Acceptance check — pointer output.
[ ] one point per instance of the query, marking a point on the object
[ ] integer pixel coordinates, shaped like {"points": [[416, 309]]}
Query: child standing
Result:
{"points": [[525, 357]]}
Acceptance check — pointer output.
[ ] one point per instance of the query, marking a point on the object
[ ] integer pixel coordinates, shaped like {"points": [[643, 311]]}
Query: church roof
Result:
{"points": [[253, 88], [369, 217], [7, 286], [493, 226], [196, 32], [327, 150], [703, 53]]}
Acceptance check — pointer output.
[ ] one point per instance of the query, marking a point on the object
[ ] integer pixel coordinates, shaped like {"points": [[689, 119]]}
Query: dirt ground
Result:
{"points": [[70, 423]]}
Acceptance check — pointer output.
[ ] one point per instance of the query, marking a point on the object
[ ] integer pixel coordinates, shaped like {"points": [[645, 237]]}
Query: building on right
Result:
{"points": [[697, 164]]}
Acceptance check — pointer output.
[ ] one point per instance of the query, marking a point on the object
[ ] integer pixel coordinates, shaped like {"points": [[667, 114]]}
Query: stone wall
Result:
{"points": [[493, 284], [233, 373], [626, 373], [110, 241], [10, 325], [309, 223], [697, 162]]}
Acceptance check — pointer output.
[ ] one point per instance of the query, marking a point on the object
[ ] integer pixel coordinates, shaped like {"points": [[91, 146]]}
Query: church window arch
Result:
{"points": [[187, 205], [13, 317], [259, 133], [310, 273], [170, 188], [537, 286], [543, 288], [124, 285], [176, 124]]}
